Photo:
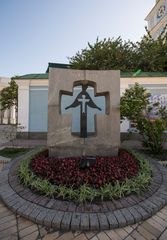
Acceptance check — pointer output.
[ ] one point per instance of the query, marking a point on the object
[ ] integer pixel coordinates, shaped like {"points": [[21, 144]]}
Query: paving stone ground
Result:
{"points": [[13, 226]]}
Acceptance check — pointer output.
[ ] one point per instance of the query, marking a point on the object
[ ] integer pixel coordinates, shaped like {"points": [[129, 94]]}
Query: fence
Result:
{"points": [[8, 116]]}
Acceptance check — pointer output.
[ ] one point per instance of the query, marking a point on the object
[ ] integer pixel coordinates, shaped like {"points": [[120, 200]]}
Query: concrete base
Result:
{"points": [[32, 135], [82, 150]]}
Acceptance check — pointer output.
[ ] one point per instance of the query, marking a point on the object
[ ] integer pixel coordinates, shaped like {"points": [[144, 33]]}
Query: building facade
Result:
{"points": [[33, 98], [157, 18]]}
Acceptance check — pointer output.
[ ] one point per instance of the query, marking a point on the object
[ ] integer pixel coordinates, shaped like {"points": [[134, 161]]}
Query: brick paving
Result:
{"points": [[13, 226]]}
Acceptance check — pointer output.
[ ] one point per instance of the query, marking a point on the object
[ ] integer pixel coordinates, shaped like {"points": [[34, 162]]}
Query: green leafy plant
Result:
{"points": [[43, 186], [9, 96], [134, 102], [12, 152], [136, 107], [25, 174], [153, 133]]}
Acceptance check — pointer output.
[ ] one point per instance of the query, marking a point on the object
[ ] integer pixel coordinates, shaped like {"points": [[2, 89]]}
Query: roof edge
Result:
{"points": [[58, 65], [33, 76]]}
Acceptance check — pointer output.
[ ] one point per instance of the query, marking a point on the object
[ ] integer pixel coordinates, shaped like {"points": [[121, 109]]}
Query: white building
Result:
{"points": [[33, 97], [157, 18]]}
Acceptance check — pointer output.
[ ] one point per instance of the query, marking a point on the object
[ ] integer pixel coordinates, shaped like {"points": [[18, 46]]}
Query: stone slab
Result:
{"points": [[85, 221], [106, 140], [76, 221]]}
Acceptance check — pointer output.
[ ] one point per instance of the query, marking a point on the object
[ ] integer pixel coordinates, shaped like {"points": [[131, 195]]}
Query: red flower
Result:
{"points": [[66, 171]]}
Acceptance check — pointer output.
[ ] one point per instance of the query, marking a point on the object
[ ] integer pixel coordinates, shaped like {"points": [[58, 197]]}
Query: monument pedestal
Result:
{"points": [[83, 150]]}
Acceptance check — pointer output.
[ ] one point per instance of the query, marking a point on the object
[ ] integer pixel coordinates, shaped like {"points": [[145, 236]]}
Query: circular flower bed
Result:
{"points": [[67, 172], [108, 178]]}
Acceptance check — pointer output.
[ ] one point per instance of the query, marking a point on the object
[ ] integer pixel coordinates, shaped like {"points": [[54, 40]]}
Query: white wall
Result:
{"points": [[23, 107], [23, 99]]}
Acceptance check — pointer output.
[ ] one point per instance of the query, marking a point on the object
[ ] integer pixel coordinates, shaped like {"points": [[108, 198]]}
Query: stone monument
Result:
{"points": [[83, 112]]}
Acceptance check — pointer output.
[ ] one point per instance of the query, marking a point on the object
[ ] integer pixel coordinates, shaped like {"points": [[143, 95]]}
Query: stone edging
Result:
{"points": [[68, 215]]}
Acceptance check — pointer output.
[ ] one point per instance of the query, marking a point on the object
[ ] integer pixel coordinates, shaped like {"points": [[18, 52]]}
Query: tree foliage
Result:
{"points": [[105, 54], [135, 106], [134, 102], [9, 96], [147, 55], [151, 54]]}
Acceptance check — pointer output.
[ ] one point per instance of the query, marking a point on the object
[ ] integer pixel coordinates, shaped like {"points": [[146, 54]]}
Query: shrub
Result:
{"points": [[152, 131], [135, 107]]}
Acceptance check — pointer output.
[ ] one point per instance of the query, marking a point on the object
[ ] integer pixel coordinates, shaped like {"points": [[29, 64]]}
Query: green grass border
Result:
{"points": [[13, 152], [86, 193]]}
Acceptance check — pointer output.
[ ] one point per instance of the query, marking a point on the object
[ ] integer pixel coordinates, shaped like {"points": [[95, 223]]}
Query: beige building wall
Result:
{"points": [[157, 18], [126, 82], [23, 99], [153, 83]]}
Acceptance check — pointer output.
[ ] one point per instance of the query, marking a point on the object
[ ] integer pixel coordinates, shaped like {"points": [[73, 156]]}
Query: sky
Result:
{"points": [[36, 32]]}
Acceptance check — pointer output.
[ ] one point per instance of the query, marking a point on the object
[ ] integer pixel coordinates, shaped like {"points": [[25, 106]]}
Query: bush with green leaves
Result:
{"points": [[9, 96], [153, 134], [135, 106], [86, 193]]}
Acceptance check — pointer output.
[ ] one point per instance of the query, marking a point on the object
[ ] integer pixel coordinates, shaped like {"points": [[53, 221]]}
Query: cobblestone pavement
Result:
{"points": [[16, 227]]}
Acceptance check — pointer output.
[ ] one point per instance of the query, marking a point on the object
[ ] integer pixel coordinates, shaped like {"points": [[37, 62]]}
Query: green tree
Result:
{"points": [[147, 55], [151, 54], [9, 96], [106, 54]]}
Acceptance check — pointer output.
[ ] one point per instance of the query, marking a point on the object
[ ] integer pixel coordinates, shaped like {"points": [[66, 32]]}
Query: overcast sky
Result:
{"points": [[35, 32]]}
